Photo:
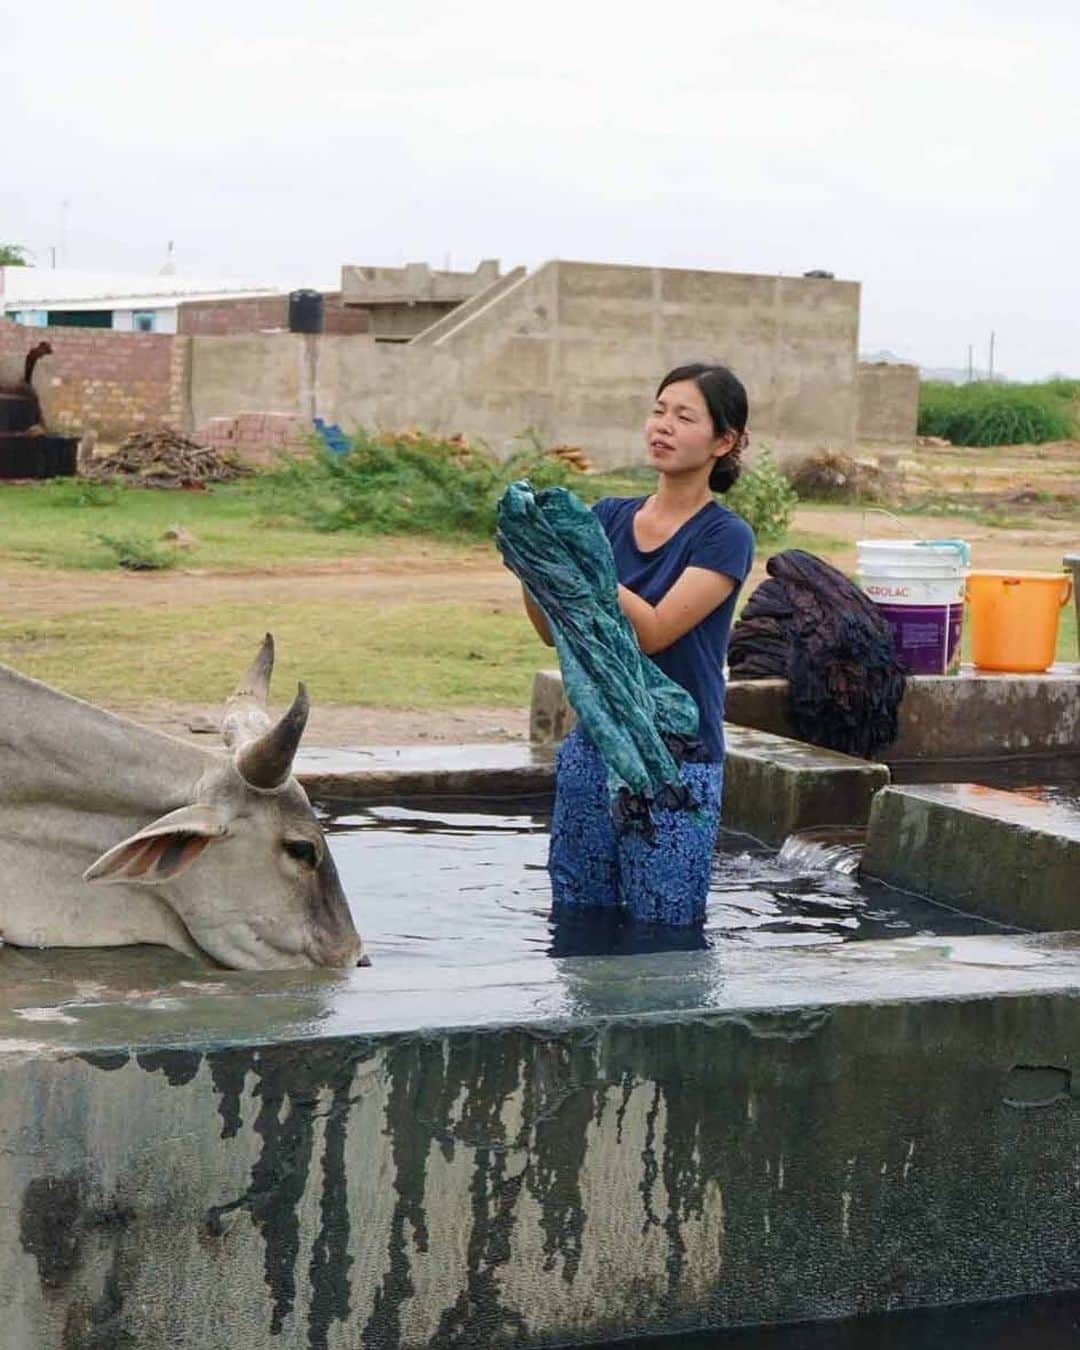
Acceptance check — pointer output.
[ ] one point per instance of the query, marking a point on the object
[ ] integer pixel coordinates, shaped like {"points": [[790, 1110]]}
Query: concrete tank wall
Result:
{"points": [[689, 1145]]}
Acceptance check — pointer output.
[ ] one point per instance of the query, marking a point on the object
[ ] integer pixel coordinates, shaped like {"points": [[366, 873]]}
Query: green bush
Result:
{"points": [[412, 483], [764, 498], [63, 492], [137, 552], [1063, 387], [998, 414], [408, 483]]}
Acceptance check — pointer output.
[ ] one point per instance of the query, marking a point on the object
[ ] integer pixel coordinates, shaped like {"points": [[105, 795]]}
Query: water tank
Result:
{"points": [[305, 312]]}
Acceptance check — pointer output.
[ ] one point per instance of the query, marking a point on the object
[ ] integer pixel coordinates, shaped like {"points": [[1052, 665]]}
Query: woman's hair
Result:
{"points": [[729, 408]]}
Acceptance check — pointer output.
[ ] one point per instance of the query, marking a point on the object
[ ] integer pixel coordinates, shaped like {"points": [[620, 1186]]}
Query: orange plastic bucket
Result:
{"points": [[1014, 618]]}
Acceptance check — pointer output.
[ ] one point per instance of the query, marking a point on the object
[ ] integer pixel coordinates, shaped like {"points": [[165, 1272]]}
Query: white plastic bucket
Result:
{"points": [[919, 588], [930, 558]]}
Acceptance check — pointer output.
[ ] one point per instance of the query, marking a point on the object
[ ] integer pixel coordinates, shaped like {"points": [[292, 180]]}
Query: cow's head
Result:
{"points": [[245, 865]]}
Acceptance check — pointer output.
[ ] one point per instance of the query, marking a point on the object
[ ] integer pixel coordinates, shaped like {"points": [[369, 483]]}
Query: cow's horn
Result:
{"points": [[245, 712], [267, 761], [256, 681]]}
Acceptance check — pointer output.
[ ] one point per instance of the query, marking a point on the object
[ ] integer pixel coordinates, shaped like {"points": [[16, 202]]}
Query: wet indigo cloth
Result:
{"points": [[641, 722], [596, 869], [808, 624]]}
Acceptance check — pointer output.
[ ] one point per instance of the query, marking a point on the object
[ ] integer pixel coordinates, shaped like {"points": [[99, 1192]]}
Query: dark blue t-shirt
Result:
{"points": [[715, 538]]}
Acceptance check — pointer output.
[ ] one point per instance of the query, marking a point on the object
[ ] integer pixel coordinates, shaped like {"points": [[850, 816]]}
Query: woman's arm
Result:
{"points": [[538, 618], [694, 596]]}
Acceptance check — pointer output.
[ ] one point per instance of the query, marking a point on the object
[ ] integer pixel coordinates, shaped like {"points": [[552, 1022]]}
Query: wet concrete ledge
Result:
{"points": [[554, 1152], [772, 785], [1004, 855], [388, 773], [972, 715]]}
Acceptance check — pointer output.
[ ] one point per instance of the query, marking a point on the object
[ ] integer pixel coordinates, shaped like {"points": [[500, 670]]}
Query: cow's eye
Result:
{"points": [[303, 850]]}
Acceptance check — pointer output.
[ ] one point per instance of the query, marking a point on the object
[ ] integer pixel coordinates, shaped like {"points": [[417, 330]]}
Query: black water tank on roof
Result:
{"points": [[305, 312]]}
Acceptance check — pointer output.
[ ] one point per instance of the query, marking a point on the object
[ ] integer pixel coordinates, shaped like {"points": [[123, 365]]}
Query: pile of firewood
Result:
{"points": [[463, 451], [164, 459], [573, 455]]}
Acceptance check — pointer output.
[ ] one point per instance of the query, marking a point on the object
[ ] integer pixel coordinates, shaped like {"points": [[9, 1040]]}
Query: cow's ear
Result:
{"points": [[162, 850]]}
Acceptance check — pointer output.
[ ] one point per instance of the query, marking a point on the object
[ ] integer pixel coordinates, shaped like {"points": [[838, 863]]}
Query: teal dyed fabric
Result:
{"points": [[641, 722]]}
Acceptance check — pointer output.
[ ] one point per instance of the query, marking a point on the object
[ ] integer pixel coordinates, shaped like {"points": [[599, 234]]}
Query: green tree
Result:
{"points": [[14, 255]]}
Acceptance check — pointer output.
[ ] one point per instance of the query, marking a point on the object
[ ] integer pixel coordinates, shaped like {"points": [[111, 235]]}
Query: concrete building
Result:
{"points": [[403, 302], [42, 297], [571, 351]]}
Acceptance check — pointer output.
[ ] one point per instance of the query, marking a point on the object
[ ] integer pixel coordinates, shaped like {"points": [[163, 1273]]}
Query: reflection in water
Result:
{"points": [[603, 933], [1057, 794], [465, 883]]}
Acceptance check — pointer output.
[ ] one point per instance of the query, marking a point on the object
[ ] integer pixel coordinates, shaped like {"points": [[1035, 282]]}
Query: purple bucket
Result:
{"points": [[926, 615], [927, 637]]}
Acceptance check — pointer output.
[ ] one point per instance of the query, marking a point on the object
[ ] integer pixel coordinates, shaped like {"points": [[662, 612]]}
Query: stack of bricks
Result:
{"points": [[257, 437]]}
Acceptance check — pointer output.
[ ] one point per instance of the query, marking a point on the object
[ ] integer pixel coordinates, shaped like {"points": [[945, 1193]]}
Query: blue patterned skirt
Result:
{"points": [[592, 867]]}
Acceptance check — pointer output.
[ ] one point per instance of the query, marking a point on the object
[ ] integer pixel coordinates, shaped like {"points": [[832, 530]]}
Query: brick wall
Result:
{"points": [[256, 314], [113, 382]]}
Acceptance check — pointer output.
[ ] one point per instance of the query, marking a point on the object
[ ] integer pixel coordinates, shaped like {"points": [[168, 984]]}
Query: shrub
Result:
{"points": [[763, 497], [137, 552], [997, 414], [831, 476], [408, 483], [65, 492], [1063, 387]]}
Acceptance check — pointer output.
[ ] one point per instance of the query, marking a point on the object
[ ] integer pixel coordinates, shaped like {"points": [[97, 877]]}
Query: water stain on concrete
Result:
{"points": [[59, 1219]]}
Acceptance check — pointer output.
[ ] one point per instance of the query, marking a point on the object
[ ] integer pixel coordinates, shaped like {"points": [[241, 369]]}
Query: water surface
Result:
{"points": [[463, 883]]}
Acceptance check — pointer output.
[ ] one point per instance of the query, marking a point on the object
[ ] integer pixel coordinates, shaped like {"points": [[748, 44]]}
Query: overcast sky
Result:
{"points": [[927, 148]]}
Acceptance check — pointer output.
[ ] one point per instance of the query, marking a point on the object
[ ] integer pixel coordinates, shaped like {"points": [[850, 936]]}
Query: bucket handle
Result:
{"points": [[880, 510], [1066, 590]]}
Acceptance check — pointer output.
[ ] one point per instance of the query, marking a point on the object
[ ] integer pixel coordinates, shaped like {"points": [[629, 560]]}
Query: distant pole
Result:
{"points": [[971, 362], [52, 256], [990, 375]]}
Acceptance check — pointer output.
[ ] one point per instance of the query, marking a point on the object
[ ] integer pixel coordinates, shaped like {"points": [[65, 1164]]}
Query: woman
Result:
{"points": [[680, 558]]}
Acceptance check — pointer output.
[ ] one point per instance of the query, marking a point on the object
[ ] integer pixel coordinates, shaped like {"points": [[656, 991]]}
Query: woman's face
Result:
{"points": [[679, 433]]}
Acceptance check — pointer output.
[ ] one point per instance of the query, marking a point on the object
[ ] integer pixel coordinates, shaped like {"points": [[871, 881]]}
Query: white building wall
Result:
{"points": [[164, 319]]}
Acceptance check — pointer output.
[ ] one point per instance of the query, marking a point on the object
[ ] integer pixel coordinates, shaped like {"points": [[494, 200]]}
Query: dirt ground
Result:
{"points": [[480, 578]]}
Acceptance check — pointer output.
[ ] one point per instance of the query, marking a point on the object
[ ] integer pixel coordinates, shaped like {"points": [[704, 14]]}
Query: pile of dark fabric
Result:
{"points": [[808, 624]]}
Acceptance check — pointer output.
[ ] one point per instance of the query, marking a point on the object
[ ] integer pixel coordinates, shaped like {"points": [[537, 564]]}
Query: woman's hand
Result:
{"points": [[693, 597], [538, 618]]}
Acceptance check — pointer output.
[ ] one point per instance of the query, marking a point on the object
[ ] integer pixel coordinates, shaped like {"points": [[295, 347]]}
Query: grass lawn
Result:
{"points": [[60, 524], [46, 525], [403, 653], [392, 656]]}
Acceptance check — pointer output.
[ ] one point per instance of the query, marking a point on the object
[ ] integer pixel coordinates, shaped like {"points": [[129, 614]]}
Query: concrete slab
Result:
{"points": [[1004, 855], [772, 785], [973, 715], [977, 714], [552, 1153], [378, 773]]}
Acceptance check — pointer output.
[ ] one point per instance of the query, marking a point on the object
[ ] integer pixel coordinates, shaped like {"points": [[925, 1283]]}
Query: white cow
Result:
{"points": [[232, 864]]}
